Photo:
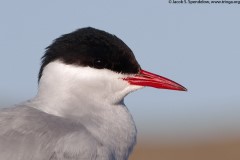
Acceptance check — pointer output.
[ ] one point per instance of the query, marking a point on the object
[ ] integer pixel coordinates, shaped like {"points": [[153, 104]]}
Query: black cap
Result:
{"points": [[94, 48]]}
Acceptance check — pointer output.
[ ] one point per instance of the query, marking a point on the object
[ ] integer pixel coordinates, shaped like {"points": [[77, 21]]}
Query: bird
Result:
{"points": [[78, 112]]}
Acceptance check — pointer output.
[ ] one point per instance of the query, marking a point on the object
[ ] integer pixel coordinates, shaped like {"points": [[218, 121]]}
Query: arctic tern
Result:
{"points": [[79, 111]]}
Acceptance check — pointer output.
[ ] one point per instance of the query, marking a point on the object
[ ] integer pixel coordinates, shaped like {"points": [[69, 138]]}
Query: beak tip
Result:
{"points": [[183, 89]]}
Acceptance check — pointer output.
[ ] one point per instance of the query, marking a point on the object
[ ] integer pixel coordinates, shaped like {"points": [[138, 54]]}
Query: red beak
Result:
{"points": [[145, 78]]}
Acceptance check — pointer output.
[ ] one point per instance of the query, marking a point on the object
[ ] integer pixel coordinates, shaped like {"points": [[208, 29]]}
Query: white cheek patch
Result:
{"points": [[60, 77]]}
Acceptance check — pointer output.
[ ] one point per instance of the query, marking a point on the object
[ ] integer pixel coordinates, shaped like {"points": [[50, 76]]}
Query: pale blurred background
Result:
{"points": [[196, 45]]}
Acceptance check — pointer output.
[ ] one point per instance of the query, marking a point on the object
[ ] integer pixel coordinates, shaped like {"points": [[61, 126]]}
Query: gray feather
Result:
{"points": [[29, 134]]}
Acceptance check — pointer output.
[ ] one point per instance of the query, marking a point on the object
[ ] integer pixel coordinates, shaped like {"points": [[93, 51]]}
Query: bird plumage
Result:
{"points": [[78, 113], [27, 133]]}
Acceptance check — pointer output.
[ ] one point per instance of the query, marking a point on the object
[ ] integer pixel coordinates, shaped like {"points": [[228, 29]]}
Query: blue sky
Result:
{"points": [[196, 45]]}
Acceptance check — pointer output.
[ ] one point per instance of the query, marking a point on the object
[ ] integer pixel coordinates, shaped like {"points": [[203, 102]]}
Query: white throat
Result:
{"points": [[92, 97]]}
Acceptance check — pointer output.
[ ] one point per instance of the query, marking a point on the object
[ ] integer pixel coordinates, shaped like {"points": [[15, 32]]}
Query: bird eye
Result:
{"points": [[99, 63]]}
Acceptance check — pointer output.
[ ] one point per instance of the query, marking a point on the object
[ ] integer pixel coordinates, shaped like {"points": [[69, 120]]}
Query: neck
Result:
{"points": [[89, 103]]}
